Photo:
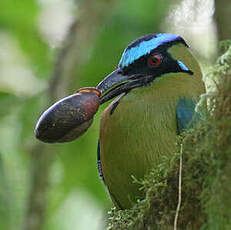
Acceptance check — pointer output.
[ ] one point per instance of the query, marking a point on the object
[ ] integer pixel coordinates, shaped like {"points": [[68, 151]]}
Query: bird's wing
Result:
{"points": [[115, 201], [186, 115], [99, 162]]}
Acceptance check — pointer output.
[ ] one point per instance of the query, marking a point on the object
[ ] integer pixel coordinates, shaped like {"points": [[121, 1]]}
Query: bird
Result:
{"points": [[155, 88]]}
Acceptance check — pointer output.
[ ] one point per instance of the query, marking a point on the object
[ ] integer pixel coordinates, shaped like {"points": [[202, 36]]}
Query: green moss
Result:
{"points": [[206, 171]]}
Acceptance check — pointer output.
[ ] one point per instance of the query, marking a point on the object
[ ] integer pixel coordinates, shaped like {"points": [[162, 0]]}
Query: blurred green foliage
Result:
{"points": [[19, 18], [75, 194]]}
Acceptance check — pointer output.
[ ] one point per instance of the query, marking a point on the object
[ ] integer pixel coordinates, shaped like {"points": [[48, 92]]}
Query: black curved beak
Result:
{"points": [[114, 78], [117, 83]]}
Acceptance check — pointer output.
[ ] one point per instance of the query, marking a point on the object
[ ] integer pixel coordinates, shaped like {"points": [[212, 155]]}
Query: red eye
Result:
{"points": [[155, 60]]}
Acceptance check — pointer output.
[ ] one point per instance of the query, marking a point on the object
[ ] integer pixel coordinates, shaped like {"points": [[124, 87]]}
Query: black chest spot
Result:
{"points": [[116, 103], [113, 107]]}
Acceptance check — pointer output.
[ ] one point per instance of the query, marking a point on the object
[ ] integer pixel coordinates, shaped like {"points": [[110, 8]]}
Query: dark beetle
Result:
{"points": [[68, 118]]}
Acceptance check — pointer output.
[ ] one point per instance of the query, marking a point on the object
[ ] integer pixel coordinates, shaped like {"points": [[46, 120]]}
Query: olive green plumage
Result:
{"points": [[143, 127]]}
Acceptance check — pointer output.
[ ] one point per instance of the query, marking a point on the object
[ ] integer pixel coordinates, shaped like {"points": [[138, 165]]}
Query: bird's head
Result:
{"points": [[146, 59]]}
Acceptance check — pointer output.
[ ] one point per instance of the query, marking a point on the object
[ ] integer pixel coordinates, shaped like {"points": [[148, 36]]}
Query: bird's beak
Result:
{"points": [[114, 78], [117, 83]]}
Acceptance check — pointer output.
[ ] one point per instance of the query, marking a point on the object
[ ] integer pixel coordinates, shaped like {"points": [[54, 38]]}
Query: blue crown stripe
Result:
{"points": [[144, 48]]}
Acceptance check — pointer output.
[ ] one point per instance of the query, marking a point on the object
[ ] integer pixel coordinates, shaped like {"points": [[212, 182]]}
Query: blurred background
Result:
{"points": [[50, 48]]}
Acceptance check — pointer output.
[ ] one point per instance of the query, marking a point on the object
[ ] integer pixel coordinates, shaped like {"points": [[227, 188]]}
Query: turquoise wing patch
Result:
{"points": [[186, 115]]}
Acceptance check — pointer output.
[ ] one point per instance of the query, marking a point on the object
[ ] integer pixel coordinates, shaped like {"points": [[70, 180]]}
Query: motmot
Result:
{"points": [[156, 86]]}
